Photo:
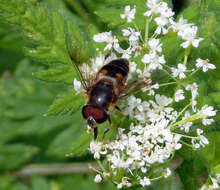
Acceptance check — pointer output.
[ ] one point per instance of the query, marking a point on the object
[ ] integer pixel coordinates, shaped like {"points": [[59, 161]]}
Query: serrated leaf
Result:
{"points": [[63, 142], [81, 145], [110, 13], [12, 10], [111, 16], [60, 73], [13, 156], [66, 103]]}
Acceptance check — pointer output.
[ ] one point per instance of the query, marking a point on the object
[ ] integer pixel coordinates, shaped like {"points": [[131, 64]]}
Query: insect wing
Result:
{"points": [[134, 87]]}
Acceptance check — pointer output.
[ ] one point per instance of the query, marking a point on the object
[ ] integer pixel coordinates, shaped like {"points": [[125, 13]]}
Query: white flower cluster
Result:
{"points": [[152, 137], [215, 180]]}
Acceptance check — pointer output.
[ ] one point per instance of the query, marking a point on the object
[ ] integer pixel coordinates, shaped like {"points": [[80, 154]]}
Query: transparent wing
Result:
{"points": [[134, 87]]}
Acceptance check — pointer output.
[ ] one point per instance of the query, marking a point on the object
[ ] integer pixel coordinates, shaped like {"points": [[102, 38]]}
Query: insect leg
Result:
{"points": [[108, 128], [95, 133]]}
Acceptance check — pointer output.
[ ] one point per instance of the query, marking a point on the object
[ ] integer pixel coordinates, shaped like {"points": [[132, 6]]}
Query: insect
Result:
{"points": [[108, 87], [105, 91]]}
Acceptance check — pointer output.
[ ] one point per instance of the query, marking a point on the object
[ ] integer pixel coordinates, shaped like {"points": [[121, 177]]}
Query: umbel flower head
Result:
{"points": [[158, 123]]}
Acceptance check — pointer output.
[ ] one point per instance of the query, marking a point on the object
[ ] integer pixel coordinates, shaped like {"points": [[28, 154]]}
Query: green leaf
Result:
{"points": [[78, 46], [215, 96], [66, 103], [172, 51], [60, 73], [111, 16], [111, 10], [211, 153], [216, 169], [170, 183], [49, 33], [81, 145], [13, 10], [41, 183], [6, 182], [13, 156], [63, 142]]}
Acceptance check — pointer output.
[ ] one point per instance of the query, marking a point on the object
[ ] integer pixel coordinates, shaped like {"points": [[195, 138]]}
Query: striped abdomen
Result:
{"points": [[116, 69]]}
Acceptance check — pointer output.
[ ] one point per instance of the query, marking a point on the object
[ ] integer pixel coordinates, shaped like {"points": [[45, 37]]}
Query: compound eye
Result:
{"points": [[95, 112]]}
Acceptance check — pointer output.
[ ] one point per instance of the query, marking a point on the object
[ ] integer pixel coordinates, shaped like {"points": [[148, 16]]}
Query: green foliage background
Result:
{"points": [[40, 122]]}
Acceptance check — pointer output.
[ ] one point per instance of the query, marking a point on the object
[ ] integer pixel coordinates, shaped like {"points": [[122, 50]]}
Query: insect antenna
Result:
{"points": [[70, 50]]}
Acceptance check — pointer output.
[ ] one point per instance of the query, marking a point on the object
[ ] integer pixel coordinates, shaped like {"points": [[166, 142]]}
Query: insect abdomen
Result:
{"points": [[117, 68]]}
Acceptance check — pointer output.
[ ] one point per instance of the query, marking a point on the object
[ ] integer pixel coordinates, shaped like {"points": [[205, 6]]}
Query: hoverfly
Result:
{"points": [[108, 87]]}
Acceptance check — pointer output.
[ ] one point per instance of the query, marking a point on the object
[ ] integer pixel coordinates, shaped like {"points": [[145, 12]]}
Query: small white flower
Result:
{"points": [[154, 61], [186, 126], [208, 111], [161, 22], [97, 63], [129, 13], [133, 35], [163, 100], [124, 182], [132, 66], [179, 71], [167, 173], [204, 64], [97, 148], [179, 95], [112, 41], [189, 35], [179, 26], [155, 45], [144, 170], [217, 176], [215, 183], [199, 131], [143, 73], [98, 178], [154, 6], [165, 11], [77, 85], [145, 181], [203, 139], [126, 53], [194, 91]]}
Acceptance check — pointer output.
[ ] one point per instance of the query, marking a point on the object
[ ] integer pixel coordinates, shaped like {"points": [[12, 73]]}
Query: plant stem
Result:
{"points": [[194, 72], [136, 27], [55, 169], [183, 142], [166, 84], [156, 178], [183, 110], [185, 60], [146, 30], [169, 73], [186, 136], [101, 166]]}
